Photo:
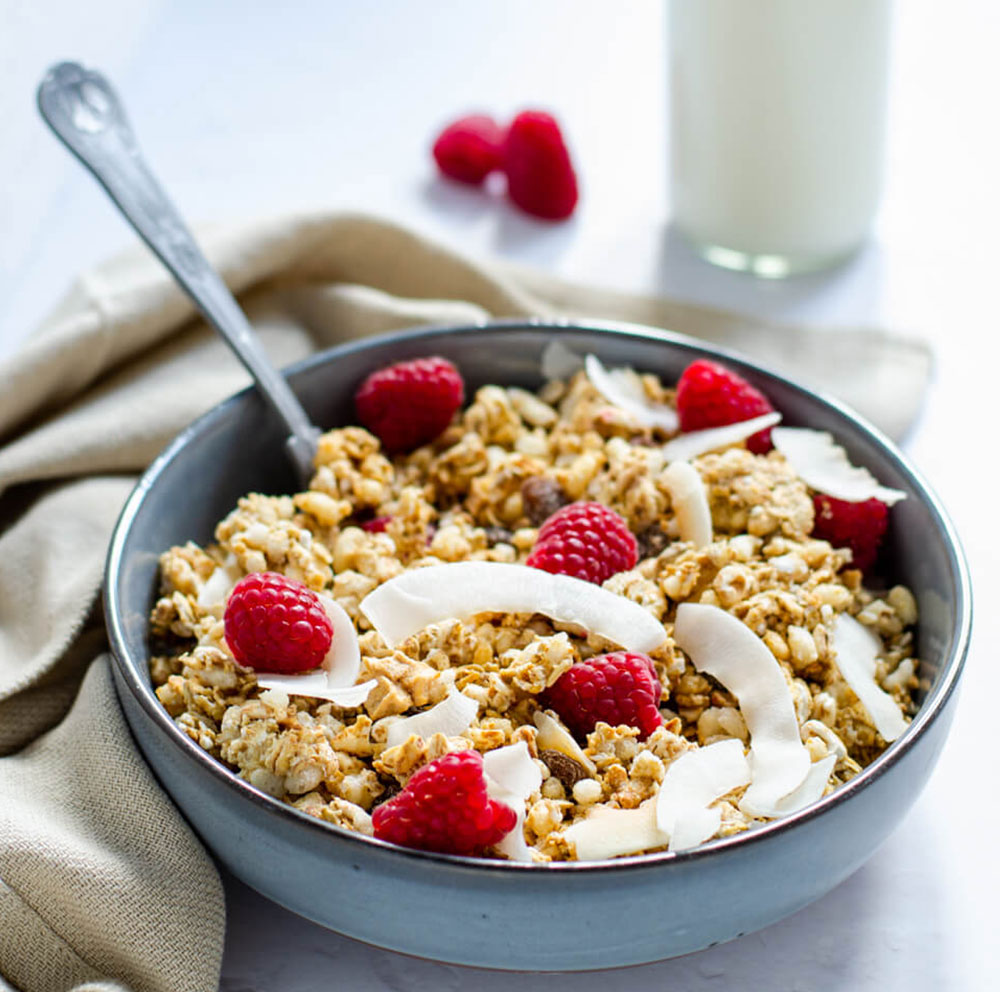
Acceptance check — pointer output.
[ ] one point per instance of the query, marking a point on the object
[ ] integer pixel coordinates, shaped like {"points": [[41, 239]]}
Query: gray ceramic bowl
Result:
{"points": [[472, 911]]}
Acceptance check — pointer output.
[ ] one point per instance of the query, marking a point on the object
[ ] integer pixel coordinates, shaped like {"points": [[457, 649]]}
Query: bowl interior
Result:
{"points": [[237, 448]]}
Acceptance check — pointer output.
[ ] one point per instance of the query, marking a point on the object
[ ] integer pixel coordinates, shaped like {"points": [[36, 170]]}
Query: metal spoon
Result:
{"points": [[84, 111]]}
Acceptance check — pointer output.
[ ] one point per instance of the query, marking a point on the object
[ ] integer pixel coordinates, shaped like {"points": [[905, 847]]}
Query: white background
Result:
{"points": [[253, 108]]}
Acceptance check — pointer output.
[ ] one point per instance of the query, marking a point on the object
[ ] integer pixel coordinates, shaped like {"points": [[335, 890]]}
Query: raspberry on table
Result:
{"points": [[275, 624], [470, 148], [617, 688], [410, 403], [540, 175], [858, 526], [586, 540], [711, 395], [445, 807]]}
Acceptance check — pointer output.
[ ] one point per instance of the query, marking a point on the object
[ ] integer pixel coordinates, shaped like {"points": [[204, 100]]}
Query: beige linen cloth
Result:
{"points": [[102, 884]]}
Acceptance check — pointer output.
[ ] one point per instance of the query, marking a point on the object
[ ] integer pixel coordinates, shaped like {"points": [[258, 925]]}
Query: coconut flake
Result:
{"points": [[607, 832], [452, 717], [695, 443], [419, 597], [553, 736], [690, 502], [856, 650], [216, 588], [511, 778], [811, 789], [824, 466], [559, 362], [623, 388], [512, 770], [696, 779], [334, 679], [718, 643]]}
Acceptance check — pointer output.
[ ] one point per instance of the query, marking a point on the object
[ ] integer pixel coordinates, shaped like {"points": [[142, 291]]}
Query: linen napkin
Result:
{"points": [[102, 883]]}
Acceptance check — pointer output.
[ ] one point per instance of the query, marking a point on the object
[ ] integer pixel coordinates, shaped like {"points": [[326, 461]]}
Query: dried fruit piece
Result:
{"points": [[445, 807], [617, 688], [410, 403], [711, 395], [541, 497], [586, 540], [565, 768], [275, 624], [470, 148], [540, 175]]}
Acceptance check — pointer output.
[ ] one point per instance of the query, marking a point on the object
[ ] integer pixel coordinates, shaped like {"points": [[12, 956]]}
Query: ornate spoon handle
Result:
{"points": [[84, 111]]}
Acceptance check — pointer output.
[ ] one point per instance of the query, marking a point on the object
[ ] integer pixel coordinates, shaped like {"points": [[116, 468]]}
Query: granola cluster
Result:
{"points": [[480, 492]]}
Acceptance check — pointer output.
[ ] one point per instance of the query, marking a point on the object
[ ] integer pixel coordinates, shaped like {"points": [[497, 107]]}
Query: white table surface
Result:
{"points": [[251, 108]]}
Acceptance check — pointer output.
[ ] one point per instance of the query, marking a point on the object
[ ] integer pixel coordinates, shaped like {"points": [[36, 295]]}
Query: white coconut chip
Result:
{"points": [[607, 832], [452, 717], [511, 778], [694, 443], [217, 587], [334, 679], [856, 650], [824, 466], [417, 598], [811, 789], [718, 643], [690, 503], [692, 782], [559, 362], [623, 388]]}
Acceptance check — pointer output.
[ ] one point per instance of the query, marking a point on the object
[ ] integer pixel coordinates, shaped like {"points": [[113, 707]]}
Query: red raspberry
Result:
{"points": [[410, 403], [858, 526], [275, 624], [470, 149], [710, 395], [444, 807], [617, 688], [376, 525], [540, 176], [585, 540]]}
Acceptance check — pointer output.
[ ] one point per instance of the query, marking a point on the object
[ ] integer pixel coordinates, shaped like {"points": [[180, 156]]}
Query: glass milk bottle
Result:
{"points": [[777, 128]]}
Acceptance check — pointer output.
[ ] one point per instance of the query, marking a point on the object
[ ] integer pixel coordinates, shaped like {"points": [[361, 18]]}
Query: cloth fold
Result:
{"points": [[102, 884]]}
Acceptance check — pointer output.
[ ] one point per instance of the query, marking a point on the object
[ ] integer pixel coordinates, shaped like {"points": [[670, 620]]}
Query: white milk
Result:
{"points": [[777, 131]]}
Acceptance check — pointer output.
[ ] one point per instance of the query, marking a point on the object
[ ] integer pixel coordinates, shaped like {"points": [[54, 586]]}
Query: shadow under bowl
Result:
{"points": [[564, 916]]}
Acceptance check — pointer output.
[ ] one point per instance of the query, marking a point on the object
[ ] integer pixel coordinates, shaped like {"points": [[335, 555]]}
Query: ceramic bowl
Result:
{"points": [[568, 916]]}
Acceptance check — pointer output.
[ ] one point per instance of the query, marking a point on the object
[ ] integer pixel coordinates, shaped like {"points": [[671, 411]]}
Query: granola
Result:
{"points": [[478, 493]]}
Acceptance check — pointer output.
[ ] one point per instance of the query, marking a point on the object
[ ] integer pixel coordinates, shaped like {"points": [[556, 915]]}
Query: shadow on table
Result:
{"points": [[860, 936]]}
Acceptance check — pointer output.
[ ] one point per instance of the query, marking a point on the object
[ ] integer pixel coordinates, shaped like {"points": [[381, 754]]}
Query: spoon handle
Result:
{"points": [[84, 111]]}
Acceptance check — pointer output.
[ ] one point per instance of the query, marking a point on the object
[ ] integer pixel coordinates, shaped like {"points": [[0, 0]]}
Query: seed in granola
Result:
{"points": [[565, 768], [652, 541], [499, 535], [542, 496]]}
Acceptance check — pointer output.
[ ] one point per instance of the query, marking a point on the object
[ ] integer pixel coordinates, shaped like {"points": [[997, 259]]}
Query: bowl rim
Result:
{"points": [[127, 668]]}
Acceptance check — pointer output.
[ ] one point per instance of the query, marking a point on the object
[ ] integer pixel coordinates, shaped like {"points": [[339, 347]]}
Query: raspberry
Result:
{"points": [[275, 624], [710, 395], [617, 688], [585, 540], [470, 148], [410, 403], [540, 176], [376, 525], [444, 807], [858, 526]]}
